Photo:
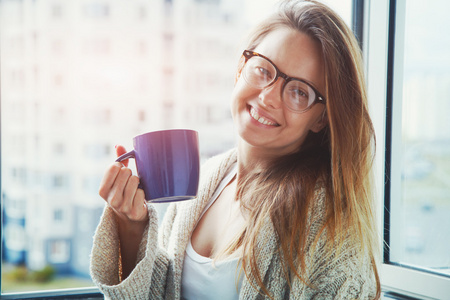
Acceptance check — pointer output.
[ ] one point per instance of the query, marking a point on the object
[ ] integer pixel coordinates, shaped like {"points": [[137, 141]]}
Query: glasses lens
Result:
{"points": [[298, 95], [259, 72]]}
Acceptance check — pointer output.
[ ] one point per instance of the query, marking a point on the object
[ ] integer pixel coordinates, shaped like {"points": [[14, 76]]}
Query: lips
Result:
{"points": [[263, 120]]}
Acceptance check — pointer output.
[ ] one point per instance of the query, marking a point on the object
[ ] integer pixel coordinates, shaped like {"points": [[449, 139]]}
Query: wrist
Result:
{"points": [[130, 228]]}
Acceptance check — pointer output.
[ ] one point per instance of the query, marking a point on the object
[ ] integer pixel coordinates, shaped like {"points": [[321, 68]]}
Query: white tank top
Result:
{"points": [[201, 280]]}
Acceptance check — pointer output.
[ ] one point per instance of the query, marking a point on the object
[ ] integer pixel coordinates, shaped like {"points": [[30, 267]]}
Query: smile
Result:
{"points": [[260, 119]]}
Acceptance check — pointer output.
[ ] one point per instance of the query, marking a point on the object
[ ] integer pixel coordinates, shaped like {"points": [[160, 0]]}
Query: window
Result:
{"points": [[142, 13], [59, 181], [58, 215], [59, 149], [96, 9], [60, 123], [423, 155], [56, 11], [59, 251], [413, 129]]}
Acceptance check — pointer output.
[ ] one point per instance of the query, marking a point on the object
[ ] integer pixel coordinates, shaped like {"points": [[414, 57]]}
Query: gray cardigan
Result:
{"points": [[158, 272]]}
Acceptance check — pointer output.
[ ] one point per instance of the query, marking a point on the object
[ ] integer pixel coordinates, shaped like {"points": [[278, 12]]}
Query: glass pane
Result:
{"points": [[421, 215], [77, 78]]}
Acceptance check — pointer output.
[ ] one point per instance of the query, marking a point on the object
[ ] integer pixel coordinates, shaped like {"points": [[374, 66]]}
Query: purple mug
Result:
{"points": [[167, 163]]}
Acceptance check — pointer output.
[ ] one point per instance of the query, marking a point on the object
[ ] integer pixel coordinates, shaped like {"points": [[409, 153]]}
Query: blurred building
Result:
{"points": [[79, 77]]}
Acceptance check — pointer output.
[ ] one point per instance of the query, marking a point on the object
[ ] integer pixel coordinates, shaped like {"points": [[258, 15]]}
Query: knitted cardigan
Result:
{"points": [[157, 275]]}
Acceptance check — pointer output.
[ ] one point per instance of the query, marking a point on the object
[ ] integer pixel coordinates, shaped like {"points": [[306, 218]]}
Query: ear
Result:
{"points": [[239, 69], [321, 122]]}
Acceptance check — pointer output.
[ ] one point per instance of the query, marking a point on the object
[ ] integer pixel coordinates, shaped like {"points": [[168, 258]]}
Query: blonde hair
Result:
{"points": [[339, 157]]}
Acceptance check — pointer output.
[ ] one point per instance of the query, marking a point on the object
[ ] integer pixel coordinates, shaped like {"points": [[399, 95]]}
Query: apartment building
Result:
{"points": [[79, 77]]}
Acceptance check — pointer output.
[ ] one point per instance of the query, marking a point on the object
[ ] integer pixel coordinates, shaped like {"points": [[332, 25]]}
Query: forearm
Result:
{"points": [[150, 262], [130, 237]]}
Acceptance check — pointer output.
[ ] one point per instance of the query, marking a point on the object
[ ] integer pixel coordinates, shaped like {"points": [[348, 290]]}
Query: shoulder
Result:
{"points": [[223, 159], [214, 168]]}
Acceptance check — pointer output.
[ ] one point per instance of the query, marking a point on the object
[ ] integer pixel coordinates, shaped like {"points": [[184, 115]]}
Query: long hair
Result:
{"points": [[338, 158]]}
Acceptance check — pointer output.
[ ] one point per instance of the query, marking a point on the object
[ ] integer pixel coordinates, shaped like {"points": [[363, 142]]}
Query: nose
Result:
{"points": [[271, 96]]}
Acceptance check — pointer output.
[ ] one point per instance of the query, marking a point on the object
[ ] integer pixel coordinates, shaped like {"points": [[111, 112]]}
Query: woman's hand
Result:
{"points": [[119, 188]]}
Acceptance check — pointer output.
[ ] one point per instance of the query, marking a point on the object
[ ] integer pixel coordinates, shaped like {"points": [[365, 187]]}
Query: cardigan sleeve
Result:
{"points": [[344, 273], [147, 280]]}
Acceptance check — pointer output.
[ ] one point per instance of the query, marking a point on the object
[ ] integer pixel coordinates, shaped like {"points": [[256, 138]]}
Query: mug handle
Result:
{"points": [[130, 154]]}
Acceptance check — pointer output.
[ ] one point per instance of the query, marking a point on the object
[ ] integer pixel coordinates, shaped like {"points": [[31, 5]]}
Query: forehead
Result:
{"points": [[294, 53]]}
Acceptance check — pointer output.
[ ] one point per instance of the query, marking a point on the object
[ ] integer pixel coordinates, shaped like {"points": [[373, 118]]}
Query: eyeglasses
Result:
{"points": [[260, 72]]}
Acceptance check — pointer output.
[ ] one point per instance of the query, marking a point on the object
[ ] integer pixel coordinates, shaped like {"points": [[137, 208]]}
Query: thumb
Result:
{"points": [[119, 151]]}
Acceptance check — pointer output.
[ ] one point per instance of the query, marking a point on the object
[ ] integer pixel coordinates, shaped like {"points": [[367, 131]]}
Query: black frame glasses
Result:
{"points": [[318, 98]]}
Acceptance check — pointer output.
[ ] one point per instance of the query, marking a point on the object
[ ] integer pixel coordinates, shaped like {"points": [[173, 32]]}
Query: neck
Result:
{"points": [[251, 158]]}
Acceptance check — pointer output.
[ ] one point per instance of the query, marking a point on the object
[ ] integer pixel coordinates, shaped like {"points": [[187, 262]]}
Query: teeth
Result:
{"points": [[260, 119]]}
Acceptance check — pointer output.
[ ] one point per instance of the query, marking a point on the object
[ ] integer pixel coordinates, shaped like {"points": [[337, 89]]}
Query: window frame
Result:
{"points": [[73, 293], [384, 27]]}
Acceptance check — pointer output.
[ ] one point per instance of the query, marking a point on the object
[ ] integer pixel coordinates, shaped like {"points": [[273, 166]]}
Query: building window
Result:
{"points": [[58, 46], [59, 251], [58, 215], [142, 48], [56, 11], [59, 181], [96, 10], [97, 46], [141, 115], [59, 148], [15, 237], [58, 80], [142, 12], [97, 151]]}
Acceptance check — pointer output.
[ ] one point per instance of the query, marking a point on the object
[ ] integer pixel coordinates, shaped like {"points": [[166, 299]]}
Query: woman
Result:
{"points": [[288, 213]]}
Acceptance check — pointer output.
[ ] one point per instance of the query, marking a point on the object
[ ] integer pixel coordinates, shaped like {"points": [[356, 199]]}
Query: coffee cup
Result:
{"points": [[167, 163]]}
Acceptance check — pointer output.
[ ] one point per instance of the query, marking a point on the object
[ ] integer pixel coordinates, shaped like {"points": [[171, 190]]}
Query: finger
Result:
{"points": [[139, 206], [108, 179], [115, 198], [129, 194], [119, 151]]}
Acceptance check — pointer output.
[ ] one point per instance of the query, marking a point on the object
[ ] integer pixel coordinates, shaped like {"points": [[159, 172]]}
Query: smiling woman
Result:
{"points": [[297, 188]]}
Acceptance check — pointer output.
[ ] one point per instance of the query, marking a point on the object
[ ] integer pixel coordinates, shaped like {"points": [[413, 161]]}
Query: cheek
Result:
{"points": [[239, 94], [235, 96], [304, 122]]}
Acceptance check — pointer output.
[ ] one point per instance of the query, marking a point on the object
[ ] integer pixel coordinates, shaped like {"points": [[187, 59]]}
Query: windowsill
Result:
{"points": [[80, 293], [413, 284], [386, 295], [93, 293]]}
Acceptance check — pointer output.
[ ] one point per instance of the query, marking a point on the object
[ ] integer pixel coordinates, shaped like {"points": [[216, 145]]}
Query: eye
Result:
{"points": [[263, 72], [259, 72], [298, 95]]}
